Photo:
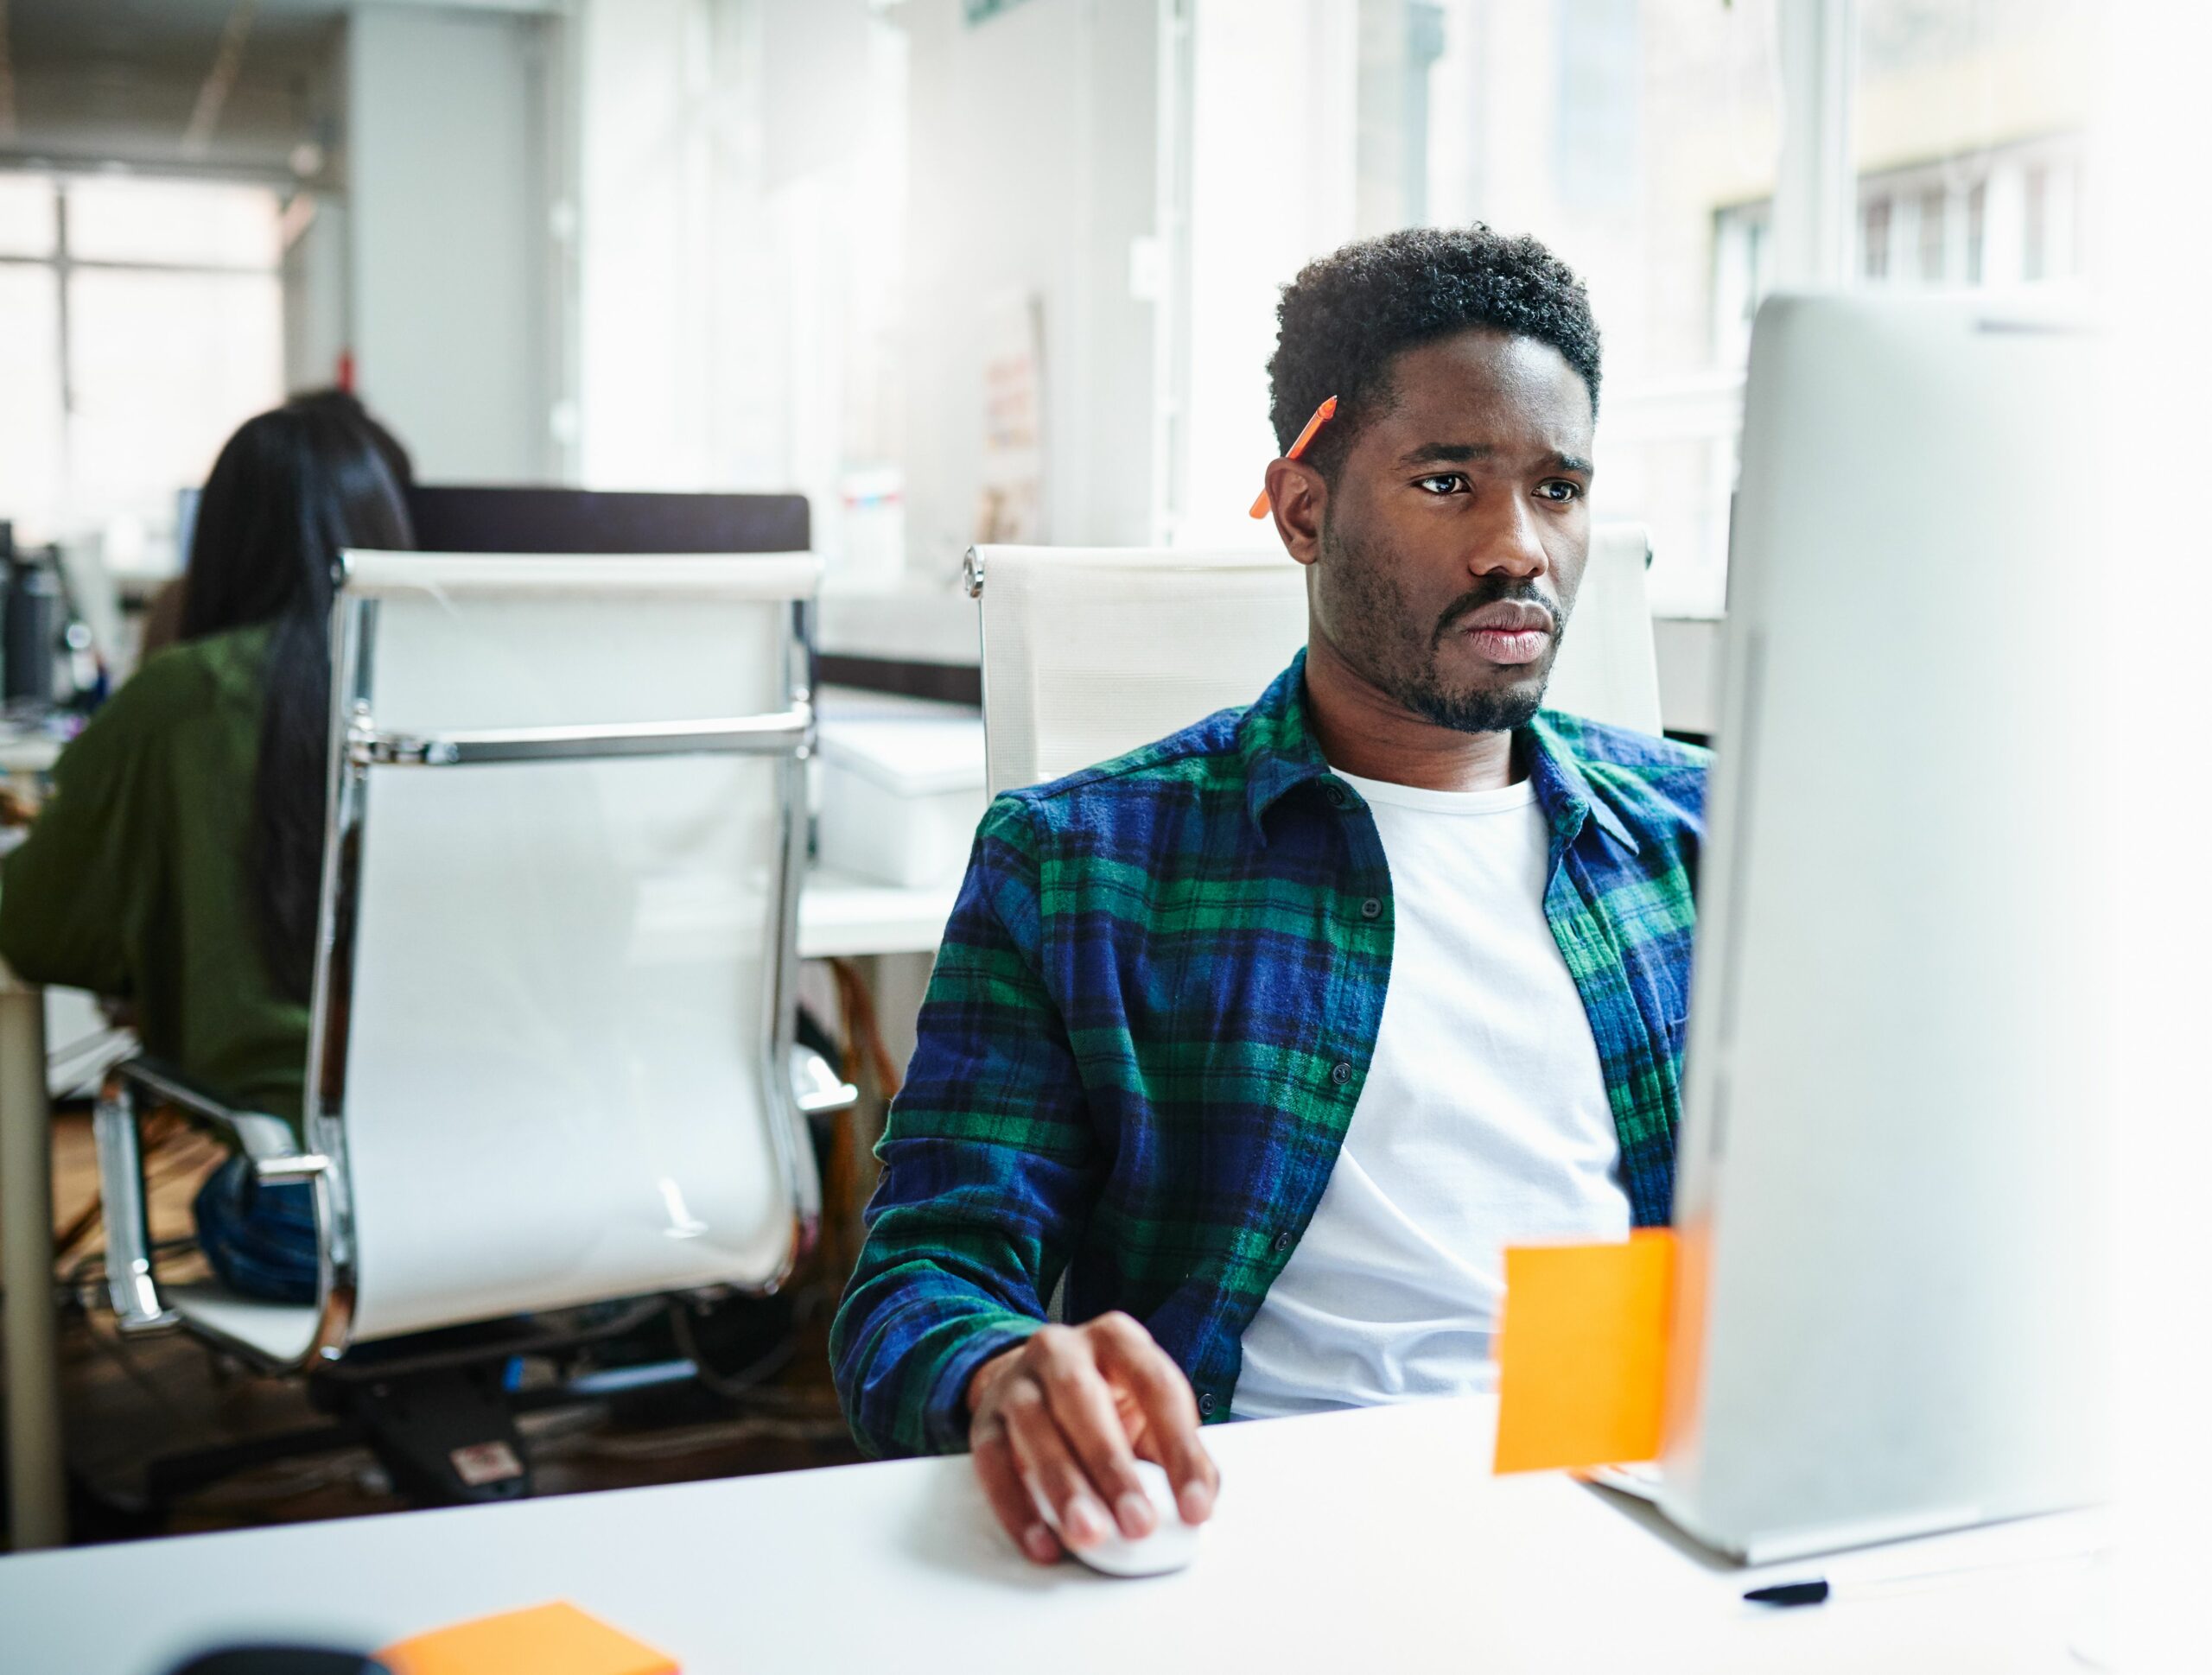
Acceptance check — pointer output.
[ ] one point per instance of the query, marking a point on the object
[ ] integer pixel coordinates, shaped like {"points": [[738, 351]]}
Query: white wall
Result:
{"points": [[738, 236], [797, 218], [1030, 170], [451, 147], [643, 66], [1272, 185], [318, 312]]}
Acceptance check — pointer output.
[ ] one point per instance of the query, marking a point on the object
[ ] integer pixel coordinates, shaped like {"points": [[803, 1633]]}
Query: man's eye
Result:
{"points": [[1559, 490], [1443, 483]]}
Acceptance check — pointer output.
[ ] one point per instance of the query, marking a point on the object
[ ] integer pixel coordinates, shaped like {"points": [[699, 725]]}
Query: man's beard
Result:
{"points": [[1373, 630]]}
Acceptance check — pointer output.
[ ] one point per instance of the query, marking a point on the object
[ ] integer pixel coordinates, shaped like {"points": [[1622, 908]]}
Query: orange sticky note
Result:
{"points": [[1582, 1353], [545, 1640]]}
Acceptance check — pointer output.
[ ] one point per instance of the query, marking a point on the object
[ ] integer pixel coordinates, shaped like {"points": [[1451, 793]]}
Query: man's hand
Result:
{"points": [[1066, 1414]]}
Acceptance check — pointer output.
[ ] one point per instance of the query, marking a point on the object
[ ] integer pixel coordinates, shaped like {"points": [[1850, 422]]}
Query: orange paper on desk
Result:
{"points": [[1582, 1354], [545, 1640]]}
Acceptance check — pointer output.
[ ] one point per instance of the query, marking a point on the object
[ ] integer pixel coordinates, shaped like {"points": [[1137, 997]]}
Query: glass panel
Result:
{"points": [[1874, 238], [30, 417], [1973, 111], [2035, 231], [1638, 139], [26, 215], [1270, 96], [1934, 207], [164, 366], [192, 223]]}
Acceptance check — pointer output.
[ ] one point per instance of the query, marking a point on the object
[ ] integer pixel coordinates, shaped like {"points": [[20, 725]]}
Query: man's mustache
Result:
{"points": [[1497, 591]]}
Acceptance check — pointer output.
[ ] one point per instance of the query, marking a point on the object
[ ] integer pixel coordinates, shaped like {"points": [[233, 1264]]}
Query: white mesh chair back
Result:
{"points": [[1091, 652], [1608, 668], [551, 1039]]}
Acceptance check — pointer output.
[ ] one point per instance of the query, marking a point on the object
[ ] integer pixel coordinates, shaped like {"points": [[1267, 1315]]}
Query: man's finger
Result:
{"points": [[1163, 1395], [1010, 1502], [1049, 1469], [1084, 1405]]}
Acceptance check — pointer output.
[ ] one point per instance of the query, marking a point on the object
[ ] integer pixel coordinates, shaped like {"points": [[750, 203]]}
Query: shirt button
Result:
{"points": [[1284, 1241], [1341, 1074], [1371, 908], [1336, 793], [1206, 1405]]}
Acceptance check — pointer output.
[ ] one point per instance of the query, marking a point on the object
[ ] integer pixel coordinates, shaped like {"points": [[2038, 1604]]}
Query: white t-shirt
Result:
{"points": [[1483, 1122]]}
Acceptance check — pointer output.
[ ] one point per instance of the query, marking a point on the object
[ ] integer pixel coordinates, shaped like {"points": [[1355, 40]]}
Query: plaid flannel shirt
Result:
{"points": [[1150, 1022]]}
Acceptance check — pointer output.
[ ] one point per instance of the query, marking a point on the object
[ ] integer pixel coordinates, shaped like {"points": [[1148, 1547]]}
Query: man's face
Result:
{"points": [[1454, 538]]}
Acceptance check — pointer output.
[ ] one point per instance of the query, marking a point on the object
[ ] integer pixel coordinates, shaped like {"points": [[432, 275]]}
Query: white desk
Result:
{"points": [[838, 916], [842, 916], [1371, 1540]]}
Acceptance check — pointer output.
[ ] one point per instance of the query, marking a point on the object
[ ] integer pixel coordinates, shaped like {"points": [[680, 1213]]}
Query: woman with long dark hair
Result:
{"points": [[176, 864]]}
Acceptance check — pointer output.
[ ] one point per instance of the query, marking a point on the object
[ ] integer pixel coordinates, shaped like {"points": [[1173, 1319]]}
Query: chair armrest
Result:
{"points": [[131, 1288], [266, 1141], [819, 1089]]}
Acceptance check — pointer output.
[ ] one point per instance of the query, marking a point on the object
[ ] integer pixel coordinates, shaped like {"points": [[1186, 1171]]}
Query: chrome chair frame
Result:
{"points": [[807, 1087]]}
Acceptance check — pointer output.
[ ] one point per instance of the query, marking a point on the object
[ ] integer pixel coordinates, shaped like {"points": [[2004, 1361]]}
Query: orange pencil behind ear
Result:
{"points": [[1322, 415]]}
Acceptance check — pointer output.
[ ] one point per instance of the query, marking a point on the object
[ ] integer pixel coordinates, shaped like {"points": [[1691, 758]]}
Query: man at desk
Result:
{"points": [[1271, 1036]]}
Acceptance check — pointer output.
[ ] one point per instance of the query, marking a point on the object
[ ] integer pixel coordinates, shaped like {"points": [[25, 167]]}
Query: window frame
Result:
{"points": [[63, 264]]}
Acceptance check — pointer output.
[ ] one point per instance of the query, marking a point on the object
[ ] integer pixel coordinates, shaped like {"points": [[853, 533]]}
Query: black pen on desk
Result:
{"points": [[1815, 1592], [1818, 1591]]}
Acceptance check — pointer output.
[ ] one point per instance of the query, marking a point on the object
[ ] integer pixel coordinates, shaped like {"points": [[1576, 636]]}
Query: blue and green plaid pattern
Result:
{"points": [[1150, 1022]]}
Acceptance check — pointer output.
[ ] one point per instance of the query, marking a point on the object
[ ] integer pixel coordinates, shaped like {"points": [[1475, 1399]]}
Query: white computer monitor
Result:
{"points": [[1890, 1193]]}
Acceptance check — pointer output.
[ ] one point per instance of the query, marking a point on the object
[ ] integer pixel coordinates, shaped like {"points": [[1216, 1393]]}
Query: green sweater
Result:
{"points": [[134, 883]]}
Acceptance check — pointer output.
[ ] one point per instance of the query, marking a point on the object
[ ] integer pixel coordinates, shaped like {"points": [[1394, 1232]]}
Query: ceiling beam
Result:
{"points": [[222, 76], [7, 82]]}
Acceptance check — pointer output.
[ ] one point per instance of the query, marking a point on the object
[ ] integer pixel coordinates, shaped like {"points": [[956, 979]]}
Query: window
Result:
{"points": [[30, 373], [1643, 141], [1935, 215], [2034, 229], [744, 190], [1618, 132], [1970, 119], [141, 321], [1614, 130], [1980, 108], [26, 216], [1874, 238]]}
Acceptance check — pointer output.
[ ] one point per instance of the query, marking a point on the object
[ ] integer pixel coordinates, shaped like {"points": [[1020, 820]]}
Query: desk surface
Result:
{"points": [[841, 915], [1363, 1540]]}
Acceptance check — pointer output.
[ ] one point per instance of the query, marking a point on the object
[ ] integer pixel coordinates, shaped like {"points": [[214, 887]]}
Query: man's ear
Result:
{"points": [[1299, 497]]}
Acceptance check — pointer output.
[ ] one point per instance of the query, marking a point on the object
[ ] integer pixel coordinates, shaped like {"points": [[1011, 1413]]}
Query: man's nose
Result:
{"points": [[1510, 543]]}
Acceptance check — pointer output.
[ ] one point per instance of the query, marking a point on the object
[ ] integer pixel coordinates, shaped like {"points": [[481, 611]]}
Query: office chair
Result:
{"points": [[1090, 651], [552, 1056]]}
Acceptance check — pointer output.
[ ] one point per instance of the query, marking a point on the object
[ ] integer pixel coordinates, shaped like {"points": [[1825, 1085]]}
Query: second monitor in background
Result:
{"points": [[560, 520]]}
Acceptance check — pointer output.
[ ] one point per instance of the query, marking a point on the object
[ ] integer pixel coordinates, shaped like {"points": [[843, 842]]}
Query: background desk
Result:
{"points": [[899, 928], [1372, 1540], [842, 916]]}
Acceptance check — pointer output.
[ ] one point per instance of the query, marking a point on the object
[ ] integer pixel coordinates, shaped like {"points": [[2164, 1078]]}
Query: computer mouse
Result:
{"points": [[1171, 1545]]}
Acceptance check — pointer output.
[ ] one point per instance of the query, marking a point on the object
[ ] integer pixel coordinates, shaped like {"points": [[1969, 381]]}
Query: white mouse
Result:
{"points": [[1171, 1545]]}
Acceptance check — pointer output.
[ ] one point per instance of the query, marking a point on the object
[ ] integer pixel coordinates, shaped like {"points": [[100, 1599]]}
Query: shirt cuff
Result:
{"points": [[945, 1416]]}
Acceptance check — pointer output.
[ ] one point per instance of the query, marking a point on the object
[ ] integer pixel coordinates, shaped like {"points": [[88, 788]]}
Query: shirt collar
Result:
{"points": [[1566, 792], [1281, 754]]}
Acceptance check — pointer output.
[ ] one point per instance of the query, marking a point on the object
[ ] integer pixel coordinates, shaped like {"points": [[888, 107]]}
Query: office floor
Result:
{"points": [[128, 1402]]}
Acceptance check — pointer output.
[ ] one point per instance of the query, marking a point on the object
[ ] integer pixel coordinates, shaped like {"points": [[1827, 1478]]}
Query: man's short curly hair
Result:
{"points": [[1345, 318]]}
